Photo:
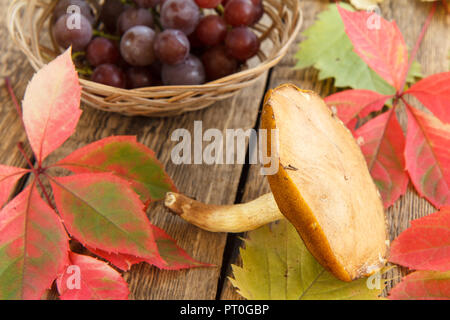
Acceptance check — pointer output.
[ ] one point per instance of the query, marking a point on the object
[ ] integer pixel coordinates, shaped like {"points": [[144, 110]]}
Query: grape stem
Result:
{"points": [[156, 16], [86, 71], [77, 54], [220, 9], [127, 2], [105, 35]]}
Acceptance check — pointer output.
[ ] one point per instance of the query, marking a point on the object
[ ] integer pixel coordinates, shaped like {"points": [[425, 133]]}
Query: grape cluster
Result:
{"points": [[140, 43]]}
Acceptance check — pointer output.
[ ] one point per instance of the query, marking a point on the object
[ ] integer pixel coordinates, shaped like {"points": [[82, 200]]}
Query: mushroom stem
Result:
{"points": [[229, 218]]}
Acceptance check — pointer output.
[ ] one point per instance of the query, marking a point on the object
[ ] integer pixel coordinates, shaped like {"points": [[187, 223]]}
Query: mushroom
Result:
{"points": [[323, 187]]}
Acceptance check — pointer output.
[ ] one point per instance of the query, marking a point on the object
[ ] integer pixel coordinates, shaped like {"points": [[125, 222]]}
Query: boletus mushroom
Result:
{"points": [[323, 187]]}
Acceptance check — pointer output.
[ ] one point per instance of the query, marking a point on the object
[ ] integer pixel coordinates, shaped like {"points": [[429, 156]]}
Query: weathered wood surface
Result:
{"points": [[221, 184]]}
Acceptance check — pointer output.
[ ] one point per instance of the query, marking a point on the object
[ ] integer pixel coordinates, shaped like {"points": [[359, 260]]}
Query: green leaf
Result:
{"points": [[329, 50], [415, 72], [33, 246], [277, 266], [103, 212]]}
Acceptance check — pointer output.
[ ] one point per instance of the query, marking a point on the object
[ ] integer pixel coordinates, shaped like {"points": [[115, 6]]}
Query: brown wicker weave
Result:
{"points": [[28, 24]]}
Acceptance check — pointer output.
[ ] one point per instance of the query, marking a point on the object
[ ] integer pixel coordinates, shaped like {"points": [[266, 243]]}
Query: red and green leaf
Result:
{"points": [[426, 244], [102, 211], [427, 156], [119, 260], [423, 285], [8, 179], [33, 246], [174, 257], [90, 279], [383, 143], [381, 46], [126, 158], [434, 93], [351, 104], [51, 106]]}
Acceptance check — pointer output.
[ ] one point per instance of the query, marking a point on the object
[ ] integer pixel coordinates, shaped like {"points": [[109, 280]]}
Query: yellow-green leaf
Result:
{"points": [[277, 266]]}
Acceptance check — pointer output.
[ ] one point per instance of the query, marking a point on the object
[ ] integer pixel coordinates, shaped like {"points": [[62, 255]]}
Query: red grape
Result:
{"points": [[240, 13], [242, 43], [134, 17], [211, 30], [147, 3], [85, 9], [110, 12], [76, 37], [171, 46], [110, 75], [139, 77], [189, 72], [136, 46], [208, 3], [218, 63], [101, 51], [180, 14], [259, 10]]}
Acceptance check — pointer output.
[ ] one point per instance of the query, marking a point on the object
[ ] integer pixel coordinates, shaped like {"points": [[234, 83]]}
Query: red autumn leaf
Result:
{"points": [[427, 155], [351, 104], [8, 179], [126, 158], [87, 278], [426, 244], [379, 43], [423, 285], [175, 257], [382, 143], [119, 260], [434, 93], [51, 106], [103, 212], [33, 246]]}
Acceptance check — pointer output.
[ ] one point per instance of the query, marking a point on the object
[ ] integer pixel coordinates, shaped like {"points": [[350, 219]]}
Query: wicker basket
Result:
{"points": [[28, 24]]}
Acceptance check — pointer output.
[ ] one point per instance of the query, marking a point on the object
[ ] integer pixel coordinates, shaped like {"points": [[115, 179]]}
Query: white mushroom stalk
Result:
{"points": [[228, 218]]}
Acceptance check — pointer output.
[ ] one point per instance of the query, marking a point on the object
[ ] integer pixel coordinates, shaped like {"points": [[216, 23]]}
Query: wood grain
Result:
{"points": [[433, 56]]}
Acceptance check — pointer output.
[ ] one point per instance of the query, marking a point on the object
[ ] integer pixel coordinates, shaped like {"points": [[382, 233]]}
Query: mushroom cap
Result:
{"points": [[323, 185]]}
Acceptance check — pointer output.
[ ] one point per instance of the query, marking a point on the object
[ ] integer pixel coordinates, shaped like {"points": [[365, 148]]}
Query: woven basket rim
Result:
{"points": [[158, 100]]}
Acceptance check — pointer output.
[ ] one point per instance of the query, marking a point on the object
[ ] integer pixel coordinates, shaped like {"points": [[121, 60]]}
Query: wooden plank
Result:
{"points": [[434, 58]]}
